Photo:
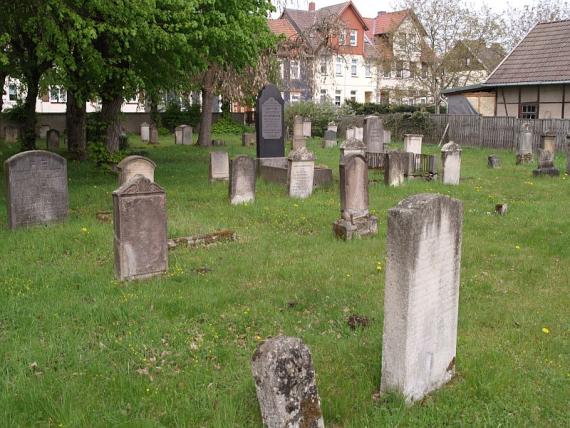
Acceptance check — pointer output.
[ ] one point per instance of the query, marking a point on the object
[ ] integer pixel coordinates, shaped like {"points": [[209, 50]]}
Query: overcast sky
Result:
{"points": [[369, 8]]}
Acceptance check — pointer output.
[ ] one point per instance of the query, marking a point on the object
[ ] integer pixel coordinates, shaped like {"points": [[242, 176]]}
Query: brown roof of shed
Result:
{"points": [[543, 56], [282, 26]]}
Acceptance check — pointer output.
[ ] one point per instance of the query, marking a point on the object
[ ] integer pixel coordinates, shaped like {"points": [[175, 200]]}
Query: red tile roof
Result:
{"points": [[385, 23], [543, 56], [282, 26]]}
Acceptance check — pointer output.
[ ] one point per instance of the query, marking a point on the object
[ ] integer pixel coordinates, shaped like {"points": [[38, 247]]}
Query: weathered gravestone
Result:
{"points": [[248, 139], [135, 165], [145, 132], [285, 384], [139, 218], [153, 134], [298, 133], [219, 166], [269, 123], [242, 180], [355, 217], [352, 146], [546, 164], [52, 138], [387, 136], [330, 139], [549, 142], [36, 183], [413, 143], [374, 141], [301, 173], [43, 131], [524, 147], [11, 134], [359, 133], [421, 294], [493, 162], [332, 127], [183, 135], [307, 132], [394, 168], [451, 163]]}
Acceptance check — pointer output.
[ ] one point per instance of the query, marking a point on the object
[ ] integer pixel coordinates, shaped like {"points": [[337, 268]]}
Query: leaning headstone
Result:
{"points": [[36, 184], [421, 295], [153, 134], [43, 131], [298, 133], [145, 132], [52, 138], [301, 173], [451, 163], [394, 168], [307, 128], [135, 165], [219, 166], [546, 164], [355, 217], [11, 134], [285, 384], [413, 143], [269, 123], [242, 180], [139, 218], [524, 148], [352, 146], [493, 162], [330, 139], [248, 139]]}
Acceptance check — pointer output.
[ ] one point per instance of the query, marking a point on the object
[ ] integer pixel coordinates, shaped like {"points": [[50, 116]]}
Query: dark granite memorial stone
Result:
{"points": [[269, 123]]}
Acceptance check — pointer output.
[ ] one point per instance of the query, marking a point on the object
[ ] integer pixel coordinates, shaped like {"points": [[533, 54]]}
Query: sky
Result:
{"points": [[369, 8]]}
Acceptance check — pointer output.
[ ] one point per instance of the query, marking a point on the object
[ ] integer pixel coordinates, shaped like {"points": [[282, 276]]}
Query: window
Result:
{"points": [[528, 111], [388, 70], [12, 92], [323, 95], [295, 97], [385, 97], [353, 96], [323, 67], [367, 70], [294, 70], [57, 94], [400, 69], [353, 37], [354, 68], [338, 67], [467, 61], [342, 38], [337, 98], [413, 70], [282, 70], [424, 70]]}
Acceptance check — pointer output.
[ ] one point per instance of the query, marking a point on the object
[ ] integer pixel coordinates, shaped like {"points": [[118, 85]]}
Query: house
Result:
{"points": [[472, 61], [532, 81]]}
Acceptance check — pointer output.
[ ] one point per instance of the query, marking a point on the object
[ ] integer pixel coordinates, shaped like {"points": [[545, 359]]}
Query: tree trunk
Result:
{"points": [[76, 124], [29, 131], [110, 113], [154, 114], [3, 76], [204, 136]]}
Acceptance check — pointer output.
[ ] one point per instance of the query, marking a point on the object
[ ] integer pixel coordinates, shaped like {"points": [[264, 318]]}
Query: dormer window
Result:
{"points": [[353, 37]]}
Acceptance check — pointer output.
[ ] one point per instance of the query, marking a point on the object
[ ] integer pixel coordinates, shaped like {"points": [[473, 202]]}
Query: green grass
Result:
{"points": [[96, 343]]}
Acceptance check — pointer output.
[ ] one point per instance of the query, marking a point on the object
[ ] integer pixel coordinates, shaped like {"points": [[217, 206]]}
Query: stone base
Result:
{"points": [[329, 144], [375, 160], [366, 226], [553, 172], [524, 159]]}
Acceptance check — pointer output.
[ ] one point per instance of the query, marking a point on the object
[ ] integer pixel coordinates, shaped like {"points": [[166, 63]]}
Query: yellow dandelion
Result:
{"points": [[84, 229], [517, 247], [545, 330]]}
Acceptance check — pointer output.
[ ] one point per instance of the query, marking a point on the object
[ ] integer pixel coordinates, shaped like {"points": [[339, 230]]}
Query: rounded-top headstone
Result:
{"points": [[135, 165]]}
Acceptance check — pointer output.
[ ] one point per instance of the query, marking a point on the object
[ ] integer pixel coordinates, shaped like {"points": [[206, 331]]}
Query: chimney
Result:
{"points": [[312, 6], [382, 12]]}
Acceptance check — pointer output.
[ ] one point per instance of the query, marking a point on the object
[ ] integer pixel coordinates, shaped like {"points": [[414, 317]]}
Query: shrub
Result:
{"points": [[320, 114], [102, 157], [408, 123], [174, 116], [96, 128], [372, 108], [226, 125]]}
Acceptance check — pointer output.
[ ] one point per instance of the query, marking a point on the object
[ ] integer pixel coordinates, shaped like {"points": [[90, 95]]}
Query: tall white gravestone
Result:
{"points": [[145, 132], [451, 163], [219, 166], [301, 173], [413, 143], [421, 296]]}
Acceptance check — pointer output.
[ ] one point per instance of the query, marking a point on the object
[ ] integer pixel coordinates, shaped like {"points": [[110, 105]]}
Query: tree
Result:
{"points": [[4, 38], [446, 23]]}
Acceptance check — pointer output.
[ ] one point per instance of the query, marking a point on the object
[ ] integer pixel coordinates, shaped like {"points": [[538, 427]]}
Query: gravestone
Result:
{"points": [[546, 164], [451, 163], [421, 295], [135, 165], [269, 123], [413, 143], [285, 384], [332, 127], [301, 173], [524, 147], [43, 131], [330, 139], [387, 137], [568, 154], [139, 218], [307, 128], [549, 142], [359, 133], [350, 133], [145, 132], [373, 135], [36, 184], [493, 162], [219, 166], [242, 180], [394, 168], [52, 139], [352, 146], [153, 134], [248, 139], [11, 134], [298, 133], [355, 217], [183, 135]]}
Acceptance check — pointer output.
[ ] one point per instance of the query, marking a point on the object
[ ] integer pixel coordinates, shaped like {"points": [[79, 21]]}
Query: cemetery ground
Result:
{"points": [[79, 348]]}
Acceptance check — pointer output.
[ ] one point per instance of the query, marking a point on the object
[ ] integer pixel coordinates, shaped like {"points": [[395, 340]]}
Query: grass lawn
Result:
{"points": [[79, 348]]}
